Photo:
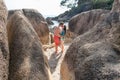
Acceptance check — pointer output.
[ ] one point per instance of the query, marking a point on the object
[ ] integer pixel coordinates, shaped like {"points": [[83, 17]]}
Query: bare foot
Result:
{"points": [[55, 52], [62, 51]]}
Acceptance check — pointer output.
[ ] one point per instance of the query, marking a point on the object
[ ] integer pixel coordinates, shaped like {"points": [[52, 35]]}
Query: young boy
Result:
{"points": [[57, 38]]}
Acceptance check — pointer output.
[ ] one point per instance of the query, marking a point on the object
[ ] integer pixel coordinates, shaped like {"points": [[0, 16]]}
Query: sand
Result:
{"points": [[54, 61]]}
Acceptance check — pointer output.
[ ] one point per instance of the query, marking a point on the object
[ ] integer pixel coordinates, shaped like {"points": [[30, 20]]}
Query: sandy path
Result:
{"points": [[55, 61]]}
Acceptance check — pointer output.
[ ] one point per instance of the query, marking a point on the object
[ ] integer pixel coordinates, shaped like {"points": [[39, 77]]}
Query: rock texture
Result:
{"points": [[27, 61], [116, 6], [83, 22], [95, 55], [38, 22], [4, 51], [49, 21], [69, 36]]}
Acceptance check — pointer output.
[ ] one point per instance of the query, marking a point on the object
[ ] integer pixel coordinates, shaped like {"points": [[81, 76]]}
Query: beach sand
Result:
{"points": [[54, 61]]}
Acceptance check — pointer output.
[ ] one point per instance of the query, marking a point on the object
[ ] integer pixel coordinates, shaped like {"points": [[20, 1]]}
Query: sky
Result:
{"points": [[45, 7]]}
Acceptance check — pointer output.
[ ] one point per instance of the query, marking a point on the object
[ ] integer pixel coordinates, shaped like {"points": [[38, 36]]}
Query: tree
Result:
{"points": [[69, 3], [75, 3], [72, 3]]}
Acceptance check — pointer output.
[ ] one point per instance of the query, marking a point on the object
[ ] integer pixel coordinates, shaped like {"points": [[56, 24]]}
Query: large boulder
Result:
{"points": [[38, 22], [27, 61], [92, 61], [69, 36], [83, 22], [116, 6], [95, 55], [11, 12], [4, 50], [49, 21]]}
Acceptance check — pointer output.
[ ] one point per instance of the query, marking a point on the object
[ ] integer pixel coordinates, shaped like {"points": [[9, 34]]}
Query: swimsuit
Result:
{"points": [[57, 40]]}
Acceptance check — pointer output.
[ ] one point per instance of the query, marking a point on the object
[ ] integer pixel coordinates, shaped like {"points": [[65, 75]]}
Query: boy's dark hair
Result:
{"points": [[61, 23]]}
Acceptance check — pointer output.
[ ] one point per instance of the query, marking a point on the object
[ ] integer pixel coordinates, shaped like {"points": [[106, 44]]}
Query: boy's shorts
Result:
{"points": [[57, 40]]}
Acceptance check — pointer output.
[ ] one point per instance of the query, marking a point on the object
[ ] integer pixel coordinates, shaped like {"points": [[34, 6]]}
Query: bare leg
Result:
{"points": [[56, 48], [62, 46]]}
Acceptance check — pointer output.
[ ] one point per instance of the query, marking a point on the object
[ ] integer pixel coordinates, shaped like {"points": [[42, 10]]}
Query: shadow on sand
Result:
{"points": [[53, 61]]}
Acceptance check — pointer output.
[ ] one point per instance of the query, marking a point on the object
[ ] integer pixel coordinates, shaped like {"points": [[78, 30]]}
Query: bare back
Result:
{"points": [[57, 31]]}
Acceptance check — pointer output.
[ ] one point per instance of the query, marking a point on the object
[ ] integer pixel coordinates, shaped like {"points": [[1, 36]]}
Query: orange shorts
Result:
{"points": [[57, 40]]}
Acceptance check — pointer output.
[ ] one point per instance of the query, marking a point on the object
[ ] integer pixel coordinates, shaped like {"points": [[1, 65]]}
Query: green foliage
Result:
{"points": [[69, 3], [102, 4]]}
